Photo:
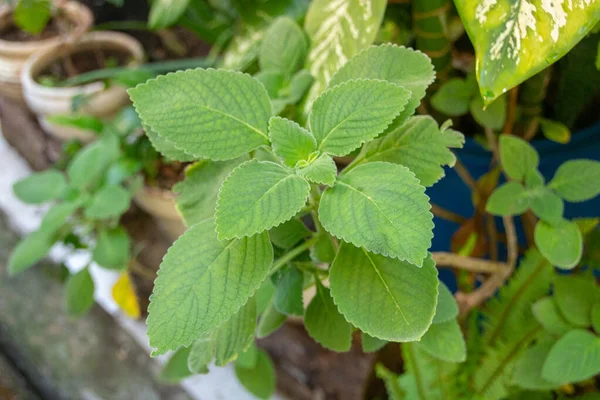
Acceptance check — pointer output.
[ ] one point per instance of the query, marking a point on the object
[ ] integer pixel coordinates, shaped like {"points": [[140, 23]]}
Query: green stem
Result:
{"points": [[310, 268], [290, 255]]}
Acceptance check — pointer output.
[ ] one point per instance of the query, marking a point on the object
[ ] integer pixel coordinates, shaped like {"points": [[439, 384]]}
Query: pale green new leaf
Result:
{"points": [[354, 112], [290, 141], [30, 250], [288, 234], [418, 144], [288, 292], [112, 248], [338, 30], [207, 113], [164, 13], [260, 379], [40, 187], [197, 194], [284, 47], [321, 170], [381, 207], [561, 243], [575, 357], [257, 196], [453, 97], [575, 297], [517, 156], [109, 202], [546, 313], [201, 353], [577, 180], [202, 282], [527, 373], [446, 308], [444, 341], [325, 324], [555, 131], [371, 344], [270, 321], [235, 335], [402, 66], [509, 199], [515, 40], [79, 293], [384, 297]]}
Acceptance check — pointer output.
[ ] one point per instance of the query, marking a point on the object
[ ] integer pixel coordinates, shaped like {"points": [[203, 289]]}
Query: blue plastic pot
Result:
{"points": [[452, 194]]}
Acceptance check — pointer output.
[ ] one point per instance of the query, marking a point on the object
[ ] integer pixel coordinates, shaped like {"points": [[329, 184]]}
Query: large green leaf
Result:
{"points": [[419, 145], [257, 196], [283, 48], [164, 13], [354, 112], [381, 207], [325, 324], [445, 342], [235, 335], [112, 248], [338, 30], [290, 141], [384, 297], [197, 194], [575, 297], [260, 379], [40, 187], [561, 243], [577, 180], [208, 113], [404, 67], [575, 357], [517, 156], [202, 282], [167, 148], [79, 293], [514, 40]]}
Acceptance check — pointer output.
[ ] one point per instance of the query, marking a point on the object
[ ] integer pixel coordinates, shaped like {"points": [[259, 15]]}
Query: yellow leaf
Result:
{"points": [[125, 297]]}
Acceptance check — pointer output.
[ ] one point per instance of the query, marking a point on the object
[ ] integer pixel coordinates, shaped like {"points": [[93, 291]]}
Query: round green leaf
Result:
{"points": [[574, 358], [555, 131], [508, 199], [445, 342], [546, 313], [517, 156], [575, 297], [528, 368], [112, 249], [577, 180], [384, 297], [493, 116], [560, 243], [109, 202], [40, 187], [446, 308], [79, 293], [260, 379], [453, 97]]}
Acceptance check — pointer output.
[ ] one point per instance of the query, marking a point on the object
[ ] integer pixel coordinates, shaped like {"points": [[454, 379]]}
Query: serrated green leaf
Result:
{"points": [[446, 308], [235, 335], [164, 13], [176, 368], [290, 141], [32, 15], [561, 243], [29, 251], [547, 206], [575, 357], [577, 180], [354, 112], [260, 379], [596, 317], [112, 248], [419, 145], [248, 358], [546, 313], [514, 41], [256, 196], [197, 194], [40, 187], [453, 97], [445, 342], [371, 344], [90, 164], [79, 293], [338, 30], [517, 156], [493, 116], [209, 113], [270, 321], [400, 301], [381, 207], [555, 131], [321, 170], [509, 199], [167, 148], [288, 291], [575, 296], [202, 282], [528, 368], [325, 324], [402, 66], [201, 353], [288, 234], [284, 47], [109, 202]]}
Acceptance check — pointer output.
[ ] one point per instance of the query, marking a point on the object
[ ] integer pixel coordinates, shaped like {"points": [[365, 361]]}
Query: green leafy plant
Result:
{"points": [[32, 16]]}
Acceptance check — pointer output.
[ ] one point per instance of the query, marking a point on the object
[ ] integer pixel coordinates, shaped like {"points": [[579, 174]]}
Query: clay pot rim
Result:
{"points": [[38, 61], [79, 14]]}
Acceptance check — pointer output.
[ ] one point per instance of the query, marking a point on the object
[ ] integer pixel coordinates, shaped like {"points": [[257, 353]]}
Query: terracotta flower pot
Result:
{"points": [[101, 102], [160, 204], [14, 54]]}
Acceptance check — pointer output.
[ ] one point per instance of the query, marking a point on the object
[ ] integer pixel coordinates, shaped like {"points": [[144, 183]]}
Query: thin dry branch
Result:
{"points": [[447, 214], [479, 265], [465, 176]]}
